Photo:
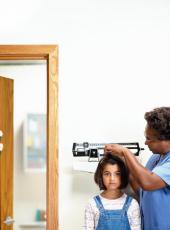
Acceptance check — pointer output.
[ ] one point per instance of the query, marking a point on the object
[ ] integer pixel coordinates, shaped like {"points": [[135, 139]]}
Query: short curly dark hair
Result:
{"points": [[159, 120], [111, 159]]}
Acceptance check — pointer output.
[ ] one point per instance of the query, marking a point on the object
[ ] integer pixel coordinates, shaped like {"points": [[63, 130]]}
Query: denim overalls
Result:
{"points": [[113, 219]]}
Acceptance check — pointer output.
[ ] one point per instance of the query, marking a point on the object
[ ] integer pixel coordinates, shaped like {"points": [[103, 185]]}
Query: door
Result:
{"points": [[6, 154]]}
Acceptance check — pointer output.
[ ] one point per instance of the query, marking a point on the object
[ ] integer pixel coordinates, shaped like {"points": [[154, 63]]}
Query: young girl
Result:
{"points": [[112, 209]]}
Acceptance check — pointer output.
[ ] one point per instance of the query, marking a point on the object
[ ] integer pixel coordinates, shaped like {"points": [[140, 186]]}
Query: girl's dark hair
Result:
{"points": [[159, 120], [110, 159]]}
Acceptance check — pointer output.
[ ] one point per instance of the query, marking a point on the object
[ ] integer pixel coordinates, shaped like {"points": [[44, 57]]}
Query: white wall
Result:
{"points": [[114, 57]]}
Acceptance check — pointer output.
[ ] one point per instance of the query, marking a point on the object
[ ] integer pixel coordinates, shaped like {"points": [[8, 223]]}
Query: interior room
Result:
{"points": [[29, 124], [113, 67]]}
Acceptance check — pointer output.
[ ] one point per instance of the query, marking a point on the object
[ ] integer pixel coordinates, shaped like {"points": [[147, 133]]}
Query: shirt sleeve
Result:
{"points": [[134, 216], [89, 218], [163, 171]]}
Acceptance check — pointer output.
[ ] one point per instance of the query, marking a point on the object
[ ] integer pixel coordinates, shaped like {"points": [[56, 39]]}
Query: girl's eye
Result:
{"points": [[117, 174], [106, 174], [109, 174]]}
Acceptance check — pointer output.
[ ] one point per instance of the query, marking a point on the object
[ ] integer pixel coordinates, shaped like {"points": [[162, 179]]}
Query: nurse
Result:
{"points": [[152, 182]]}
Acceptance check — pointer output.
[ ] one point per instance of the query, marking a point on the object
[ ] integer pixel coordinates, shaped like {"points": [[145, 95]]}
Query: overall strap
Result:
{"points": [[127, 204], [99, 203]]}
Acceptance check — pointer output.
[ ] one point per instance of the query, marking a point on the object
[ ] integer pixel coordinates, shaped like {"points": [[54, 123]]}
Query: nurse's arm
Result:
{"points": [[135, 186], [145, 179]]}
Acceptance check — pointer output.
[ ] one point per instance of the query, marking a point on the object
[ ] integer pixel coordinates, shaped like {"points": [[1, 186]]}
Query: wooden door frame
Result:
{"points": [[50, 54]]}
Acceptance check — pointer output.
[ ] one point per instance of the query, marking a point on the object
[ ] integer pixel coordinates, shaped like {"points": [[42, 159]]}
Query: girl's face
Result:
{"points": [[111, 177]]}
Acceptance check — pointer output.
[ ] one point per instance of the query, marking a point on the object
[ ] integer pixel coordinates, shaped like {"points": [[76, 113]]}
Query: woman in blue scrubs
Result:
{"points": [[153, 181]]}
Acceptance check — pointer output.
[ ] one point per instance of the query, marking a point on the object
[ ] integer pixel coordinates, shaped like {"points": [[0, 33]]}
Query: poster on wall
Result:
{"points": [[35, 143]]}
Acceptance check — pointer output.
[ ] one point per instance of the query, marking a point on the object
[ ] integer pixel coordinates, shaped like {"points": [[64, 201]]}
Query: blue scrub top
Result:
{"points": [[155, 205]]}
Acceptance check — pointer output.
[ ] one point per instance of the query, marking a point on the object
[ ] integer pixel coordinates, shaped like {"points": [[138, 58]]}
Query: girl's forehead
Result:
{"points": [[111, 167]]}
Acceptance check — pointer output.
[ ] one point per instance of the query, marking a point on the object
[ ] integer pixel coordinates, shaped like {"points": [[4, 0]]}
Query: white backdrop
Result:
{"points": [[113, 66]]}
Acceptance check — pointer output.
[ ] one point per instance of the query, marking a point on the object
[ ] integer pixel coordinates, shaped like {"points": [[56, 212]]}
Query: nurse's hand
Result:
{"points": [[114, 149]]}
